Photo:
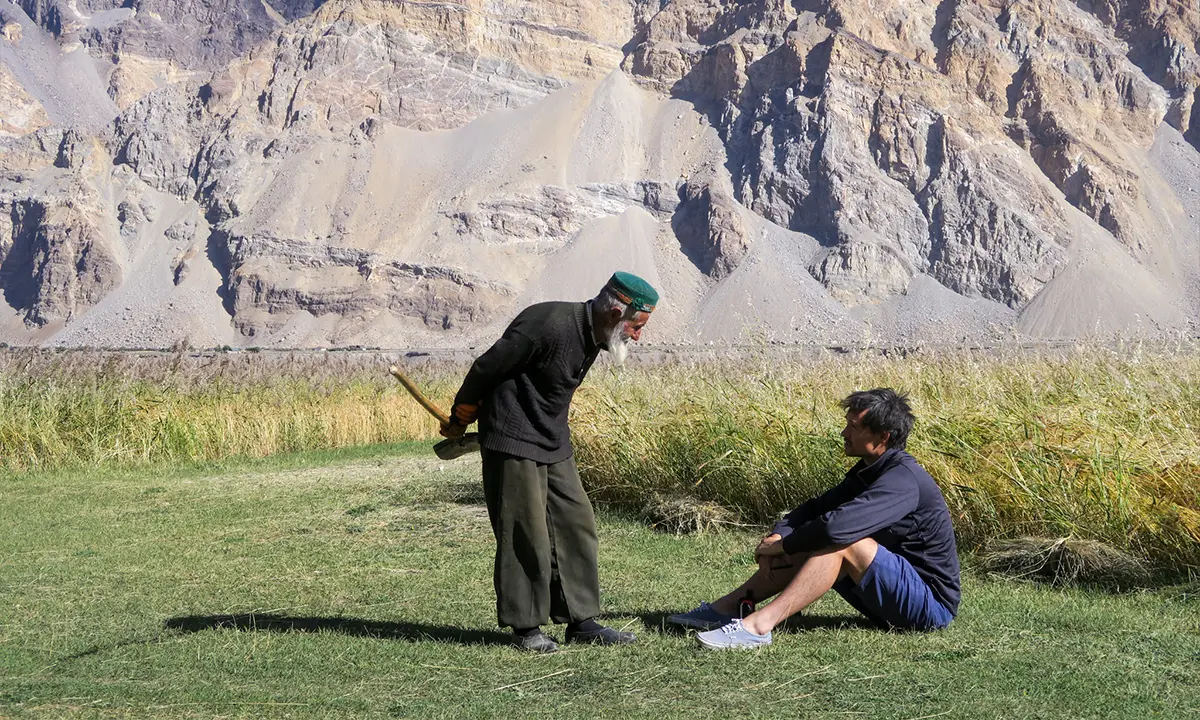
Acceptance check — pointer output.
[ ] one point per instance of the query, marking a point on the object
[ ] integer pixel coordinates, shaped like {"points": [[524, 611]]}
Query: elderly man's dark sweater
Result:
{"points": [[894, 502], [524, 383]]}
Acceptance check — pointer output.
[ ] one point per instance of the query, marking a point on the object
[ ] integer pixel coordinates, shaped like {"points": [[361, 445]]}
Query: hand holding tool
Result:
{"points": [[446, 449]]}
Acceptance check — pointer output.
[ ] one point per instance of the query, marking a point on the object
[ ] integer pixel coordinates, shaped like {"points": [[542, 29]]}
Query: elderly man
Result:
{"points": [[520, 390], [881, 538]]}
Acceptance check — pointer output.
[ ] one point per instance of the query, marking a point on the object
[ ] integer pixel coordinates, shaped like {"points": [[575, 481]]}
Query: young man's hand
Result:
{"points": [[770, 546]]}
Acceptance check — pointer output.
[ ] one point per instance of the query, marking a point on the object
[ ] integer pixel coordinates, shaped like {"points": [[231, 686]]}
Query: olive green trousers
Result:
{"points": [[546, 545]]}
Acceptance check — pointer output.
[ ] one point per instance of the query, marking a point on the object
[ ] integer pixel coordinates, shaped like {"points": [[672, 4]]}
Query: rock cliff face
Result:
{"points": [[55, 255], [921, 139], [709, 230], [408, 173]]}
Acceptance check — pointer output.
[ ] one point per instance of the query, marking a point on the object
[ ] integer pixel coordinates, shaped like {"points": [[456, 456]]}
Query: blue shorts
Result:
{"points": [[893, 595]]}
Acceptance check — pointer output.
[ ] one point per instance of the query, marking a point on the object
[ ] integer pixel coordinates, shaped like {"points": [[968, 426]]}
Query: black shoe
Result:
{"points": [[601, 636], [538, 642]]}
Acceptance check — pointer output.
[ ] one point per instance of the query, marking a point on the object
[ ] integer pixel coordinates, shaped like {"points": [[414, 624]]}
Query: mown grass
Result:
{"points": [[1093, 444], [357, 584]]}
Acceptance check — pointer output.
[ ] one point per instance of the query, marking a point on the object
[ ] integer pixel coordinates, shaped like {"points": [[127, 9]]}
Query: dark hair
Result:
{"points": [[887, 411]]}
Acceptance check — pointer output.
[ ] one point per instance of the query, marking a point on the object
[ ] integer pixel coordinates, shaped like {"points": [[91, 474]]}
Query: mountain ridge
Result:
{"points": [[411, 173]]}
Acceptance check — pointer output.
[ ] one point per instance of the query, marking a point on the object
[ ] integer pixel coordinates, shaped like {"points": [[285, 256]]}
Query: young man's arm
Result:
{"points": [[883, 503], [812, 509], [501, 361]]}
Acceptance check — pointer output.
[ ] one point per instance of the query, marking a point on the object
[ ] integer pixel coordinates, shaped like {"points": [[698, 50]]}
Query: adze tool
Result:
{"points": [[446, 449]]}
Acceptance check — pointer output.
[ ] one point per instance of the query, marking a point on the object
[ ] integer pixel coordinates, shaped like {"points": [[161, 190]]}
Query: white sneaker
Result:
{"points": [[732, 637]]}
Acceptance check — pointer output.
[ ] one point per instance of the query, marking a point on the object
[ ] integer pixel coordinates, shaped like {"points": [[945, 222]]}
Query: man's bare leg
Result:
{"points": [[772, 576], [816, 577]]}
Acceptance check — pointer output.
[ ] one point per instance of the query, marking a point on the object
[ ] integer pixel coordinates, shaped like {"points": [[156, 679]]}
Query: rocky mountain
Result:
{"points": [[409, 174]]}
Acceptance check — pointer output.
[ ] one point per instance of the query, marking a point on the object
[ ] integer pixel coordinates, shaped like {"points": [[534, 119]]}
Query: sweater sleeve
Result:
{"points": [[812, 509], [892, 496], [507, 357]]}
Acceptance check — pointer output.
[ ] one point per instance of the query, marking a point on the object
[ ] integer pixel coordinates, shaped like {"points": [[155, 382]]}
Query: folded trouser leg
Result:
{"points": [[515, 490], [575, 578]]}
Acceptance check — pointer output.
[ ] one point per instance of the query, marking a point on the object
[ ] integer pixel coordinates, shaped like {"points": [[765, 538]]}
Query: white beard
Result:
{"points": [[618, 348]]}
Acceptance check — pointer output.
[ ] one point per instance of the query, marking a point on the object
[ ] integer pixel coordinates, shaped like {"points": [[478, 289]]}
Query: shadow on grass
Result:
{"points": [[656, 621], [344, 625]]}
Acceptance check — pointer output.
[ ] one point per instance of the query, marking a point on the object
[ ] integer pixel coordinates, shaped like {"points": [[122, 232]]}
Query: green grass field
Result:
{"points": [[358, 584]]}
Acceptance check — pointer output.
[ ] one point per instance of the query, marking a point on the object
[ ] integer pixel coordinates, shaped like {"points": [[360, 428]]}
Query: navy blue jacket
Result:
{"points": [[892, 501]]}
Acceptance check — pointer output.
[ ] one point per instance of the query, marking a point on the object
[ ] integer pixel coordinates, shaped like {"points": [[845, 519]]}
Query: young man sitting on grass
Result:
{"points": [[881, 538]]}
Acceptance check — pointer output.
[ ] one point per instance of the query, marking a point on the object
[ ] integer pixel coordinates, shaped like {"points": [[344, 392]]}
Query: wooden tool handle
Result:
{"points": [[419, 396]]}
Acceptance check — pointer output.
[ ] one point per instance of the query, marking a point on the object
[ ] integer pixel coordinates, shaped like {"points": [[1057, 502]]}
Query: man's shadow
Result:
{"points": [[358, 627], [656, 621]]}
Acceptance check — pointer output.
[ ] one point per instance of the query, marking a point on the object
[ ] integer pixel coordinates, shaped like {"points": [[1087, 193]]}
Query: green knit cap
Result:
{"points": [[634, 291]]}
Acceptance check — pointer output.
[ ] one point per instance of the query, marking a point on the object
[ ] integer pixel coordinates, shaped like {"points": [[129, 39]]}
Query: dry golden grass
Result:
{"points": [[1090, 444], [82, 408]]}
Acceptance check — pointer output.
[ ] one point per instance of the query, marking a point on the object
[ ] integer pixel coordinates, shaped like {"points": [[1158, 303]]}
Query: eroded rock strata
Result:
{"points": [[408, 173]]}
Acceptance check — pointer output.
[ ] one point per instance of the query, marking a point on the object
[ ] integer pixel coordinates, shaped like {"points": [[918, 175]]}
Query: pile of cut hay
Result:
{"points": [[1065, 561], [684, 515]]}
